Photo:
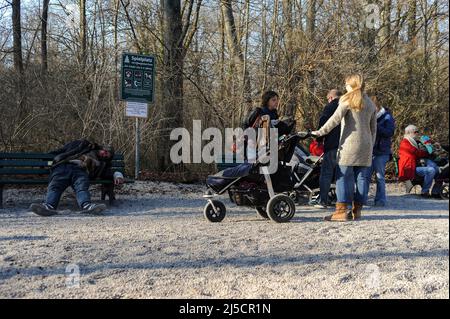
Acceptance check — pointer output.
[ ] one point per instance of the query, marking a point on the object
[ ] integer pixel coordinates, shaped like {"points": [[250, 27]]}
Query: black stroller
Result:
{"points": [[306, 170], [246, 186]]}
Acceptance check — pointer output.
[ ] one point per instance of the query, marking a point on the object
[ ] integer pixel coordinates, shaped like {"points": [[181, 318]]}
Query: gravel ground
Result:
{"points": [[155, 243]]}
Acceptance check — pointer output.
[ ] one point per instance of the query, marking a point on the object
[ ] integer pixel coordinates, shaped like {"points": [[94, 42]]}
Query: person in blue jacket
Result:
{"points": [[382, 152]]}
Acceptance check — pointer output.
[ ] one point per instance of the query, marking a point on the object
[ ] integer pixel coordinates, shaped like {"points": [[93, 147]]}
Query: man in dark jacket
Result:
{"points": [[73, 165], [331, 144], [382, 150]]}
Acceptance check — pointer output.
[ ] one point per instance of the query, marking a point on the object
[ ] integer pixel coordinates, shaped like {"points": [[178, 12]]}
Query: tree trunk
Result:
{"points": [[385, 34], [412, 31], [116, 45], [437, 58], [311, 20], [83, 34], [288, 27], [412, 24], [44, 56], [246, 90], [172, 86], [17, 36], [235, 48], [368, 39]]}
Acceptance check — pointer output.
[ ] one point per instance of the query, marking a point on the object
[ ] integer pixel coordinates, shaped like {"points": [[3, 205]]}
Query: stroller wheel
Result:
{"points": [[261, 211], [214, 214], [444, 191], [281, 208]]}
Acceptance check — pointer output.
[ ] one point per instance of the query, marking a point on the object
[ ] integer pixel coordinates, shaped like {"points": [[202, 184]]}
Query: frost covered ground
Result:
{"points": [[155, 243]]}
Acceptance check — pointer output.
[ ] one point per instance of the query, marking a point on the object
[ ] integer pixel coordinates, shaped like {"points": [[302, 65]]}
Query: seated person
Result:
{"points": [[411, 152], [73, 165]]}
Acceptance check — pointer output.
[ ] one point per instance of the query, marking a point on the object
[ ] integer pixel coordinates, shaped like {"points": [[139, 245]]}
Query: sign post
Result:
{"points": [[137, 89]]}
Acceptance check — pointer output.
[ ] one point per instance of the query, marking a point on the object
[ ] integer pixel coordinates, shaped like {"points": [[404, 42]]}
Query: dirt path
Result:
{"points": [[156, 244]]}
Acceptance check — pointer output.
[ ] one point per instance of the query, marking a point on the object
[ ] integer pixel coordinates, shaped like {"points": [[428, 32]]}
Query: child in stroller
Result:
{"points": [[267, 193]]}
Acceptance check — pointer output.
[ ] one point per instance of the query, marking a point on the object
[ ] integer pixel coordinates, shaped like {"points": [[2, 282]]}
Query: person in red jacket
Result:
{"points": [[410, 152]]}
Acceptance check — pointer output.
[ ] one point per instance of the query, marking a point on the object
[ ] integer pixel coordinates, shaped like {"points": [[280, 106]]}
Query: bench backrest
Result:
{"points": [[38, 163]]}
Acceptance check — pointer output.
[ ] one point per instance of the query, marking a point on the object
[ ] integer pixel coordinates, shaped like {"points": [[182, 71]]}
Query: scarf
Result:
{"points": [[412, 141]]}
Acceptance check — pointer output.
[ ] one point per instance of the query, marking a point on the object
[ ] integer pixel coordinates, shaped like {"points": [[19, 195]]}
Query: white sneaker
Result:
{"points": [[91, 208]]}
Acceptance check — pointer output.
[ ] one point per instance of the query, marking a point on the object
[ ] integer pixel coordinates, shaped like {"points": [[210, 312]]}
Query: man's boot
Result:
{"points": [[356, 210], [342, 214]]}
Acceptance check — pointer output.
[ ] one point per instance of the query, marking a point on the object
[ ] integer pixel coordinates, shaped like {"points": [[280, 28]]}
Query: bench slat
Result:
{"points": [[42, 156], [25, 163], [23, 181], [31, 163], [45, 181], [30, 171], [16, 171]]}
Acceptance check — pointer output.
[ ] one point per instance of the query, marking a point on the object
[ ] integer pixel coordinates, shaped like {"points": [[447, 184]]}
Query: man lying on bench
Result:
{"points": [[73, 165]]}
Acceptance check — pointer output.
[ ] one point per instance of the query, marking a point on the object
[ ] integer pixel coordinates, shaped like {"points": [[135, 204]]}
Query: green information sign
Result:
{"points": [[138, 77]]}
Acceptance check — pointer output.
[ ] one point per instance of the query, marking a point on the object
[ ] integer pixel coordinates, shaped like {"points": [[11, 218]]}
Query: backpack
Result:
{"points": [[252, 119]]}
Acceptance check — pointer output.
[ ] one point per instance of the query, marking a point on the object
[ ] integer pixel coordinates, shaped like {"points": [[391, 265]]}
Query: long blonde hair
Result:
{"points": [[354, 99]]}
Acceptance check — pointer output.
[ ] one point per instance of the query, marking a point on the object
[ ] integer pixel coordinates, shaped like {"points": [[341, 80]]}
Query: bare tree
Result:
{"points": [[44, 22], [291, 57], [235, 50], [17, 36], [311, 19], [412, 23], [385, 32], [177, 37], [83, 34]]}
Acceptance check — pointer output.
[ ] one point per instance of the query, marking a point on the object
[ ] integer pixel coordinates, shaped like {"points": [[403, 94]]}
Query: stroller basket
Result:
{"points": [[249, 197]]}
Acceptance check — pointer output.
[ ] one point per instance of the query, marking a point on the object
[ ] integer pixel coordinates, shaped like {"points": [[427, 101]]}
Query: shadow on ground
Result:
{"points": [[240, 262]]}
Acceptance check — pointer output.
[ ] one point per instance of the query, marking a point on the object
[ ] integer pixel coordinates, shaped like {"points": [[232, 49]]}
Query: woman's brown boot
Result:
{"points": [[342, 214], [356, 210]]}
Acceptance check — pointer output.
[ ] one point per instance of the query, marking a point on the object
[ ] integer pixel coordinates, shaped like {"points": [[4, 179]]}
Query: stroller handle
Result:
{"points": [[304, 135]]}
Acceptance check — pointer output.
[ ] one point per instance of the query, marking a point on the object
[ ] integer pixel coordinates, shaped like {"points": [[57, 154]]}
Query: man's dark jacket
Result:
{"points": [[75, 149], [331, 140], [385, 132]]}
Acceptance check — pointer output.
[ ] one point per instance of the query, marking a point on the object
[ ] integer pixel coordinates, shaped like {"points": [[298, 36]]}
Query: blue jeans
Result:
{"points": [[346, 178], [379, 167], [428, 173], [66, 175], [327, 171]]}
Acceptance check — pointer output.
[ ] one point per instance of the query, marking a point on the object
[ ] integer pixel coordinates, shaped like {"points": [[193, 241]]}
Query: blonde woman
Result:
{"points": [[357, 115]]}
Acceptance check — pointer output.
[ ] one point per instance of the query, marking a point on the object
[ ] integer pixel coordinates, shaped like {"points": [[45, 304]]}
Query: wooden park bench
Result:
{"points": [[34, 169]]}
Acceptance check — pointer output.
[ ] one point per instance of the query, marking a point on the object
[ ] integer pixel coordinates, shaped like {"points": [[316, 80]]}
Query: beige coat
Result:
{"points": [[358, 132]]}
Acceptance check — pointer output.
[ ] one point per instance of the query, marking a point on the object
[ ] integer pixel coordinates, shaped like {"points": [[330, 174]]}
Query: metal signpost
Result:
{"points": [[137, 89]]}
